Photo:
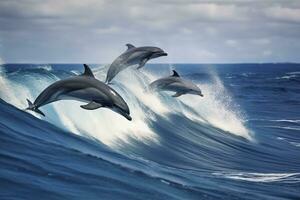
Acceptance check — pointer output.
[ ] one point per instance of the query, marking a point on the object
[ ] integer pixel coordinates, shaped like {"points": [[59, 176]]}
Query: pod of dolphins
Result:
{"points": [[96, 94]]}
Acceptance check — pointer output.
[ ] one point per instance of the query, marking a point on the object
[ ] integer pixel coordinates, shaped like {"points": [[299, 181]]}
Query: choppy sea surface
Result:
{"points": [[241, 141]]}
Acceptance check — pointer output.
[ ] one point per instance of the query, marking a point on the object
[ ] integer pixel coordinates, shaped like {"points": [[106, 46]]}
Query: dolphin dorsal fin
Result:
{"points": [[87, 71], [129, 46], [175, 74]]}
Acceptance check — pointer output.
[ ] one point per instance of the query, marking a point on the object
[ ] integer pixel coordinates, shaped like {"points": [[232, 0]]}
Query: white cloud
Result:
{"points": [[212, 11], [190, 31], [261, 41], [283, 13], [231, 43], [204, 54], [267, 53], [109, 30]]}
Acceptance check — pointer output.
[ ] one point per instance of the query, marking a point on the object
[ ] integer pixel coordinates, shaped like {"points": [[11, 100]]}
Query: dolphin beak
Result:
{"points": [[127, 116], [158, 54], [201, 95], [123, 113]]}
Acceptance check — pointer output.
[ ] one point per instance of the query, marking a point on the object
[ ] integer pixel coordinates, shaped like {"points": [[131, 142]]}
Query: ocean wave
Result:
{"points": [[247, 74], [296, 121], [261, 177], [296, 144], [287, 76], [273, 88], [217, 108], [287, 120], [292, 73], [178, 148], [284, 127], [45, 67]]}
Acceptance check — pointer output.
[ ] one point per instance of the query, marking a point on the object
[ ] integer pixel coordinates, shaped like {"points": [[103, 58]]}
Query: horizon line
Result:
{"points": [[189, 63]]}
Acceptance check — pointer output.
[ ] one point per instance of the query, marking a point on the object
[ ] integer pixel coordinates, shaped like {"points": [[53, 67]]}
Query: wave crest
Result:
{"points": [[216, 108]]}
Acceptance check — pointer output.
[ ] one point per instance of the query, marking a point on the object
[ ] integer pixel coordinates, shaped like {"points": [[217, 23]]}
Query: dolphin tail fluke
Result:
{"points": [[32, 107]]}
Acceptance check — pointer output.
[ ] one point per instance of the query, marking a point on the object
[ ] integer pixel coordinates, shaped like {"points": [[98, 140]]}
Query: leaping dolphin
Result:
{"points": [[175, 83], [84, 88], [133, 56]]}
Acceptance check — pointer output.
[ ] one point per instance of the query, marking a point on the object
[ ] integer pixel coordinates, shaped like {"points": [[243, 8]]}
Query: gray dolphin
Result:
{"points": [[175, 83], [84, 88], [133, 56]]}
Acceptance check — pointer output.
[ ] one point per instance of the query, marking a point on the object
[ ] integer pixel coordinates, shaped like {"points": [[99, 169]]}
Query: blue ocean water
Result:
{"points": [[241, 141]]}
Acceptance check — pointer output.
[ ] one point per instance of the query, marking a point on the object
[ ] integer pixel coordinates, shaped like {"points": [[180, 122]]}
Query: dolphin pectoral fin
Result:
{"points": [[87, 71], [91, 106], [142, 63], [177, 94], [129, 46]]}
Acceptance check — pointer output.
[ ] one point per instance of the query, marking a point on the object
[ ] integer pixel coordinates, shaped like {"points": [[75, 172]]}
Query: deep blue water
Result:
{"points": [[241, 141]]}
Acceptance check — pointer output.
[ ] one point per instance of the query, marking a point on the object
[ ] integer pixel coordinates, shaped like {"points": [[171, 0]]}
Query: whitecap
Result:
{"points": [[261, 177]]}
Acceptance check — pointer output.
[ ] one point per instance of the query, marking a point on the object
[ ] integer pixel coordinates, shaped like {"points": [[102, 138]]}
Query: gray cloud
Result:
{"points": [[190, 31]]}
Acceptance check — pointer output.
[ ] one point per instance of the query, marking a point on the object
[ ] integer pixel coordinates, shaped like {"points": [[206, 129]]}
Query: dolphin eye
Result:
{"points": [[113, 93]]}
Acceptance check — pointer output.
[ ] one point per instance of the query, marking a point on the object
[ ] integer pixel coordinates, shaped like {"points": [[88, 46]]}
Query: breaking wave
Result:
{"points": [[216, 109]]}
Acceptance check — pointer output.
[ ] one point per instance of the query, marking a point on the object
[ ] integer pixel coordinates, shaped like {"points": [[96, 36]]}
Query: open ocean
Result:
{"points": [[240, 141]]}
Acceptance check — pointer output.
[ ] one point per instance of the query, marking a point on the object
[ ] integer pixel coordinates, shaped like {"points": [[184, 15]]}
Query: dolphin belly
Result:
{"points": [[86, 95], [175, 87]]}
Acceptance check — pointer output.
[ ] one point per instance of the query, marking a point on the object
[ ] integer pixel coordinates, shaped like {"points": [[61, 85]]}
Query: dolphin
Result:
{"points": [[133, 56], [175, 83], [85, 88]]}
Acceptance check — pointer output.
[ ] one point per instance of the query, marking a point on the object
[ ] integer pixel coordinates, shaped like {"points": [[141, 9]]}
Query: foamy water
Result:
{"points": [[216, 108]]}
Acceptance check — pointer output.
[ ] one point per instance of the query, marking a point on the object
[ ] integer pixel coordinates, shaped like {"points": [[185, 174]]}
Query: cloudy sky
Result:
{"points": [[191, 31]]}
